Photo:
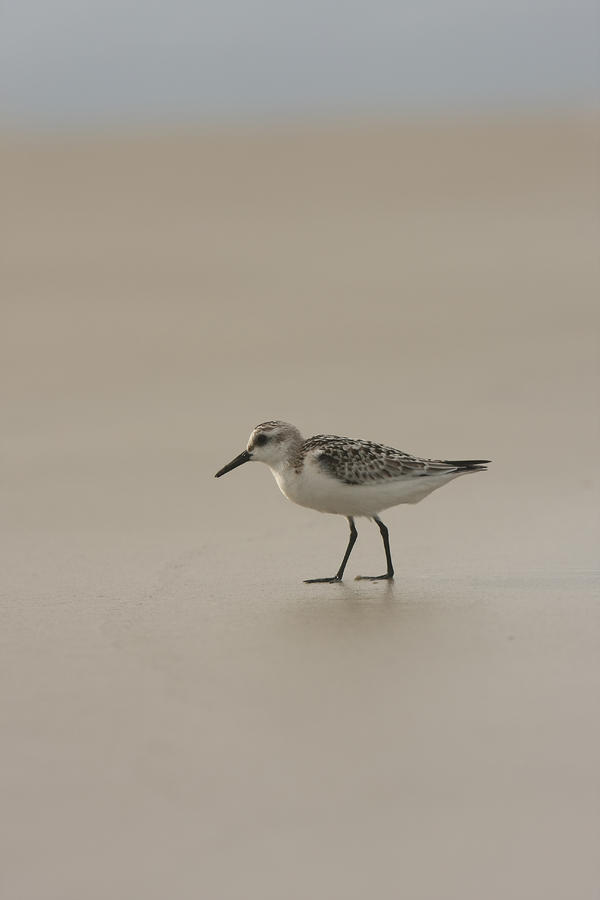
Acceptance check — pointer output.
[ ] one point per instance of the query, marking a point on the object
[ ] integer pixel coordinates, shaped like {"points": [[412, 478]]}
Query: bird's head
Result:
{"points": [[270, 442]]}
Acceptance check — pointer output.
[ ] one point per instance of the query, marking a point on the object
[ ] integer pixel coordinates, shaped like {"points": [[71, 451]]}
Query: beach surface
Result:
{"points": [[181, 715]]}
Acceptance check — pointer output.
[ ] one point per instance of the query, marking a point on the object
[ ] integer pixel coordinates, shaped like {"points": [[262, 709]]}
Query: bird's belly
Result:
{"points": [[325, 494]]}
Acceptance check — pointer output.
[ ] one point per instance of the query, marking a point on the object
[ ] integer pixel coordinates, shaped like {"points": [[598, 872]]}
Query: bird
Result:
{"points": [[347, 477]]}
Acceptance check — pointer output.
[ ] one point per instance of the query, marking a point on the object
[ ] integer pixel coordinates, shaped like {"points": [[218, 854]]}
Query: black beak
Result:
{"points": [[242, 458]]}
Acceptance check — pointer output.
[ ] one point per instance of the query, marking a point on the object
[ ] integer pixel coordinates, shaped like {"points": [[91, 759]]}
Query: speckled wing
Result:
{"points": [[364, 462]]}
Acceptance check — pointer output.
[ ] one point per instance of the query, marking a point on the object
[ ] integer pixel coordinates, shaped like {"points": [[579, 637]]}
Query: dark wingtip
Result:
{"points": [[467, 465]]}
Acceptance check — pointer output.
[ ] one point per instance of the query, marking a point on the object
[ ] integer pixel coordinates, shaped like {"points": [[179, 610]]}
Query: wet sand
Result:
{"points": [[181, 715]]}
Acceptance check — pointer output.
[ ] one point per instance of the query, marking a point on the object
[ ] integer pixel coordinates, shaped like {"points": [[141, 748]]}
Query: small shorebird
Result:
{"points": [[347, 477]]}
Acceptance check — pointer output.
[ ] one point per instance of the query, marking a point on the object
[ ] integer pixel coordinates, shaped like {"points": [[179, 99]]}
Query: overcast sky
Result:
{"points": [[93, 62]]}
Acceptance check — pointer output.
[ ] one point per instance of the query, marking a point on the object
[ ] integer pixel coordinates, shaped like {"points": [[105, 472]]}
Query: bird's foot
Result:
{"points": [[323, 580], [386, 577]]}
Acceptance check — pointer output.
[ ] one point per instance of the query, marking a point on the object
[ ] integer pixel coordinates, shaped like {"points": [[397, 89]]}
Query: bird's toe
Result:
{"points": [[385, 577], [322, 580]]}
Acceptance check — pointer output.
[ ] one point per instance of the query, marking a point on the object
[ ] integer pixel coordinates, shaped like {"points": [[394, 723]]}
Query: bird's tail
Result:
{"points": [[468, 465]]}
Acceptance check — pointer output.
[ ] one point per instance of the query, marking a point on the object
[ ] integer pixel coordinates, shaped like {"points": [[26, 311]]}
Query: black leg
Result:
{"points": [[388, 556], [340, 573]]}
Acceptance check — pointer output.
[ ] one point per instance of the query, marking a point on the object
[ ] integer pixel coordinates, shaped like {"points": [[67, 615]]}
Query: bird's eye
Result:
{"points": [[260, 439]]}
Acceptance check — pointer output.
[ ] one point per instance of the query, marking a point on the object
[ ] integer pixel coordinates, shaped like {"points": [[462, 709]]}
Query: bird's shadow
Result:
{"points": [[345, 604]]}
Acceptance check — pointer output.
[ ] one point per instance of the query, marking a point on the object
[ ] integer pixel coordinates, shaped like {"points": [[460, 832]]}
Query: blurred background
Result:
{"points": [[121, 63], [366, 219]]}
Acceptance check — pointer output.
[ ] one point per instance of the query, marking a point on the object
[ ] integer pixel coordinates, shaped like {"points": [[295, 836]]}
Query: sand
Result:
{"points": [[181, 715]]}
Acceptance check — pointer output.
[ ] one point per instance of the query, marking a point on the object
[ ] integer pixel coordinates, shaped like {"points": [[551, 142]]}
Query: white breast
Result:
{"points": [[316, 490]]}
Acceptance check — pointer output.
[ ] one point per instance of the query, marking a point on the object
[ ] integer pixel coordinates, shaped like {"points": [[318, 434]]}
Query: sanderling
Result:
{"points": [[347, 477]]}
